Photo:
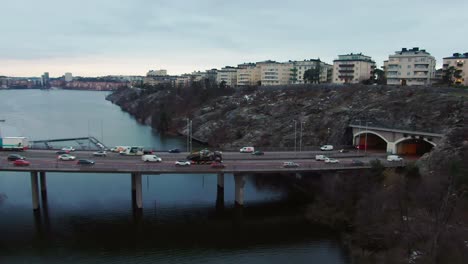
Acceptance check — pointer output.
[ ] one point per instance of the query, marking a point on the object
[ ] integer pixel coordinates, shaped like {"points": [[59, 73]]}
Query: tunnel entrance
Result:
{"points": [[374, 142], [413, 146]]}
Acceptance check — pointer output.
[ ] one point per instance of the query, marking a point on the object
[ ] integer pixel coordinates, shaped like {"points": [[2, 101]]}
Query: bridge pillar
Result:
{"points": [[138, 191], [34, 190], [42, 177], [220, 192], [391, 148], [239, 192]]}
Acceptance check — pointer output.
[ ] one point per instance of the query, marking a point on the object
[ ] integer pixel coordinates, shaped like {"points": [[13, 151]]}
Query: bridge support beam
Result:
{"points": [[391, 148], [220, 192], [42, 177], [137, 190], [34, 190], [239, 180]]}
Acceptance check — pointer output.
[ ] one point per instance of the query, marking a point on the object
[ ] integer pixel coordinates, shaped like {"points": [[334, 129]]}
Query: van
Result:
{"points": [[326, 147], [394, 158], [247, 150], [151, 158], [320, 157]]}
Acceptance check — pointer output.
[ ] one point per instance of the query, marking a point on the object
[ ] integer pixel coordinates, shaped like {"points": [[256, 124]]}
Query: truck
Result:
{"points": [[14, 143], [132, 151], [205, 156]]}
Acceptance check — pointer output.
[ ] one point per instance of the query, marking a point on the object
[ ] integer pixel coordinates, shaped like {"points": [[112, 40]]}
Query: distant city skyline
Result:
{"points": [[98, 38]]}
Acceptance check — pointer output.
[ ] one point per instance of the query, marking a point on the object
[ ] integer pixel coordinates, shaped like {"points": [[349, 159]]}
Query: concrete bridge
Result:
{"points": [[394, 141]]}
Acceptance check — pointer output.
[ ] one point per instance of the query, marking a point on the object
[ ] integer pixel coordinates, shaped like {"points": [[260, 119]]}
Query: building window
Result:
{"points": [[409, 66]]}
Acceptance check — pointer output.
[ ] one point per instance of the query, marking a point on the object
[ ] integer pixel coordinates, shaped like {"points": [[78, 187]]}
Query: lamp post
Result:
{"points": [[295, 137], [359, 136], [300, 138], [365, 146], [188, 134]]}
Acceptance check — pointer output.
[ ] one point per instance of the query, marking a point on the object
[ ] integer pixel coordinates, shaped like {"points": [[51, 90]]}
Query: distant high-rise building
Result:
{"points": [[68, 77], [45, 80]]}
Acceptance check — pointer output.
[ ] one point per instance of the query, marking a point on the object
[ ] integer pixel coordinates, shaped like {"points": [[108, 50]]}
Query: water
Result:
{"points": [[88, 218]]}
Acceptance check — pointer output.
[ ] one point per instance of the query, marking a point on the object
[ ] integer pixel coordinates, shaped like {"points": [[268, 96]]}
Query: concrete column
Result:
{"points": [[220, 192], [138, 191], [42, 177], [34, 190], [239, 192], [391, 148]]}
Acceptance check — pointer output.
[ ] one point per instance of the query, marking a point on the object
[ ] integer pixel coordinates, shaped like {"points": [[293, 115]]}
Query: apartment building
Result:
{"points": [[248, 74], [410, 67], [227, 74], [352, 68], [459, 62], [300, 67], [274, 73]]}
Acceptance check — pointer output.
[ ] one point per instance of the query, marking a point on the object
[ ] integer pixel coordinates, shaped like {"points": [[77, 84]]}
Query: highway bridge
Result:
{"points": [[239, 164]]}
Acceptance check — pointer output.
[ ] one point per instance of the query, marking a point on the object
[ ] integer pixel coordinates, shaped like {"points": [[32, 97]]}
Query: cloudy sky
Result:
{"points": [[101, 37]]}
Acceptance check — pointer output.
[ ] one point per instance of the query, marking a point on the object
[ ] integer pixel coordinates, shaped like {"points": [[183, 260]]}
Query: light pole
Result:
{"points": [[188, 134], [295, 137], [328, 135], [300, 138], [365, 146], [359, 136]]}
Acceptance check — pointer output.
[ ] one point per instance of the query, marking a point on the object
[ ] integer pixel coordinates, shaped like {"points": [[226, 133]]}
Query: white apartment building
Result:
{"points": [[68, 77], [248, 74], [459, 62], [157, 73], [410, 67], [352, 68], [300, 67], [274, 73], [227, 74]]}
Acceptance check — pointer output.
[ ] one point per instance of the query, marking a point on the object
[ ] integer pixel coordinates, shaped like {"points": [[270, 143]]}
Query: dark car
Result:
{"points": [[13, 157], [258, 153], [174, 150], [357, 163], [85, 162], [60, 152], [217, 165]]}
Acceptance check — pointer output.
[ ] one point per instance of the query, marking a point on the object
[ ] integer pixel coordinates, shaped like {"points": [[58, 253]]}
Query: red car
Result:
{"points": [[217, 165], [21, 163]]}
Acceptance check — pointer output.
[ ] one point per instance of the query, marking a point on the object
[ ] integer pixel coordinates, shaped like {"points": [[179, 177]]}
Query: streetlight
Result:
{"points": [[300, 139], [365, 146], [328, 135], [359, 136], [188, 134], [191, 136], [295, 137]]}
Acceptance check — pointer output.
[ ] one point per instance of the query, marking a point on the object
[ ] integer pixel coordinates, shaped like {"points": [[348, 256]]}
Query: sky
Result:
{"points": [[130, 37]]}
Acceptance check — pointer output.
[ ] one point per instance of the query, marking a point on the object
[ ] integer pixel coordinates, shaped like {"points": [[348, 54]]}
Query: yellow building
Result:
{"points": [[227, 74], [248, 74], [459, 62], [352, 68], [274, 73]]}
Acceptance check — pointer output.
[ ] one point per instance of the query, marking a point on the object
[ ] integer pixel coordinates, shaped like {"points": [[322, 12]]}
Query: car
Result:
{"points": [[290, 164], [320, 157], [176, 150], [247, 150], [258, 153], [330, 160], [357, 163], [13, 157], [151, 158], [394, 158], [183, 163], [68, 148], [66, 157], [60, 152], [217, 165], [85, 162], [147, 152], [101, 153], [343, 151], [21, 162], [326, 147]]}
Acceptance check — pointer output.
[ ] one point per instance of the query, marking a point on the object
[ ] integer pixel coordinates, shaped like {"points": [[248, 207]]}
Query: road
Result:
{"points": [[234, 162]]}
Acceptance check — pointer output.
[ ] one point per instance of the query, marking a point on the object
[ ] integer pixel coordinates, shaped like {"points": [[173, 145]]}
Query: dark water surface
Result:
{"points": [[88, 218]]}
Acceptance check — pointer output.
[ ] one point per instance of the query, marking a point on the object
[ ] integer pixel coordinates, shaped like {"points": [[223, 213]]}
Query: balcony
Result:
{"points": [[346, 65], [346, 71]]}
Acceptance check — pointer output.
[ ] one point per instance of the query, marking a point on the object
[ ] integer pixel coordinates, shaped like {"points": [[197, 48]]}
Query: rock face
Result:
{"points": [[265, 116]]}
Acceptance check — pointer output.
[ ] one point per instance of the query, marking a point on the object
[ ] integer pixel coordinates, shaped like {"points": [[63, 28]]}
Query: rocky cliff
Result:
{"points": [[265, 116]]}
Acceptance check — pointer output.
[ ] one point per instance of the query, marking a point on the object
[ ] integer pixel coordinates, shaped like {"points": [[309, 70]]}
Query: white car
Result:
{"points": [[183, 163], [151, 158], [66, 157], [100, 153], [320, 157], [329, 160], [68, 149], [247, 150], [394, 158], [326, 147]]}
